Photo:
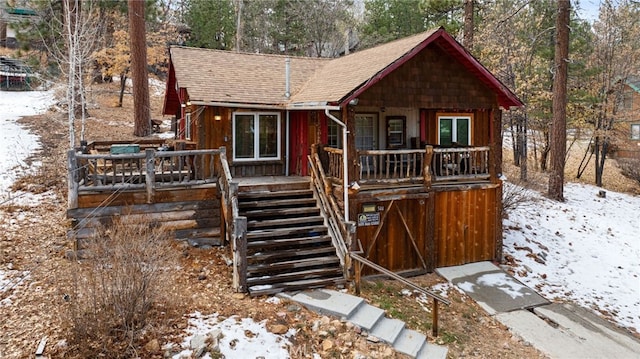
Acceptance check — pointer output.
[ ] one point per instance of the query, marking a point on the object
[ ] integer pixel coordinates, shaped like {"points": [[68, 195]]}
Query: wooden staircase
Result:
{"points": [[288, 245]]}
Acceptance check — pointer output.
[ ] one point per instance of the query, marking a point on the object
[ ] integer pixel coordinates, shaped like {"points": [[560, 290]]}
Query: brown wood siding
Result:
{"points": [[190, 213], [467, 226], [389, 244], [432, 79], [93, 200]]}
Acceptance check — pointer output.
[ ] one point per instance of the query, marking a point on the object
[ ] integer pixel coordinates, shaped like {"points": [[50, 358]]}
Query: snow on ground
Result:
{"points": [[17, 143], [586, 249], [239, 337]]}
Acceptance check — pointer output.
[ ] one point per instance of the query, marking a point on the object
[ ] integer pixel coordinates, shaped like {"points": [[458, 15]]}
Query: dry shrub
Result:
{"points": [[630, 168], [515, 195], [117, 286]]}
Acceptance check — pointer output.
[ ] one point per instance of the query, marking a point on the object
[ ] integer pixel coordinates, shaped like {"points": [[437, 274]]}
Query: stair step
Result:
{"points": [[279, 203], [292, 265], [410, 342], [280, 212], [288, 242], [274, 194], [295, 276], [284, 222], [432, 351], [387, 329], [258, 290], [290, 253], [311, 231], [366, 316]]}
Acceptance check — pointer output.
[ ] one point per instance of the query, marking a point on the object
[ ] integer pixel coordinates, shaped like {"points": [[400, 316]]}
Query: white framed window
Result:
{"points": [[635, 131], [256, 136], [454, 130], [334, 135], [187, 127]]}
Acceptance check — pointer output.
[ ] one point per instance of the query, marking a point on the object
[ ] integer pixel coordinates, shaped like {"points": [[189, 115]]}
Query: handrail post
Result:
{"points": [[358, 276], [150, 174], [240, 255], [434, 319], [72, 185]]}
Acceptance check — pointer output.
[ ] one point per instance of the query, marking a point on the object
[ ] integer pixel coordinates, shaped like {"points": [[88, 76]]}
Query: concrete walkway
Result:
{"points": [[370, 319], [562, 331]]}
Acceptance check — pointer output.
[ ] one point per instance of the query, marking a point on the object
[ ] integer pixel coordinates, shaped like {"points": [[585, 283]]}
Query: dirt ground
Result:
{"points": [[34, 244]]}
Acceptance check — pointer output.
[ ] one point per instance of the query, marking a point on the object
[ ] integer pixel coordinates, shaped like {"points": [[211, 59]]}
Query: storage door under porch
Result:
{"points": [[467, 226], [397, 234]]}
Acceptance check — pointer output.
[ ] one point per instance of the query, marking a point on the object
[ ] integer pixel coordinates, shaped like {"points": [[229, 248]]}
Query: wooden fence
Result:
{"points": [[149, 171]]}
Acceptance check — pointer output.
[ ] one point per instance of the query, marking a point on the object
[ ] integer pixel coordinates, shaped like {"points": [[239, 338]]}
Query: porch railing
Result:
{"points": [[466, 164], [341, 232], [149, 170], [462, 164], [234, 226]]}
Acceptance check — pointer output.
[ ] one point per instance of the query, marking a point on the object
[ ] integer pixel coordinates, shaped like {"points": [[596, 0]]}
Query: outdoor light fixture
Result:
{"points": [[354, 102], [216, 115]]}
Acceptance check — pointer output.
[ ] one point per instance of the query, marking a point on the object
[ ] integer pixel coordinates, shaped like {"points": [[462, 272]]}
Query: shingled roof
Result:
{"points": [[230, 77], [213, 76]]}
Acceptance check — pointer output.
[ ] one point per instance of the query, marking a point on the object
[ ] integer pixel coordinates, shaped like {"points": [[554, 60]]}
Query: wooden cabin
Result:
{"points": [[626, 144], [392, 153]]}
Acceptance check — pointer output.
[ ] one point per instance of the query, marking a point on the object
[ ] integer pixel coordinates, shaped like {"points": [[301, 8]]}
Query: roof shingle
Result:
{"points": [[214, 76]]}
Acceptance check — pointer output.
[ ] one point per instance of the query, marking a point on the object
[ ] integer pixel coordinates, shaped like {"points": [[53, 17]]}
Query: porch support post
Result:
{"points": [[345, 170], [351, 153]]}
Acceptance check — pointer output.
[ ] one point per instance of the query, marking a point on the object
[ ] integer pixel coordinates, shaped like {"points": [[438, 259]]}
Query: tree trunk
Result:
{"points": [[468, 24], [559, 128], [239, 4], [141, 103], [123, 85], [522, 138]]}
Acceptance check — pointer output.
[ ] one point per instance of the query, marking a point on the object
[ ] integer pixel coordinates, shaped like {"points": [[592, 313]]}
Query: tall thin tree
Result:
{"points": [[468, 24], [140, 77], [559, 126]]}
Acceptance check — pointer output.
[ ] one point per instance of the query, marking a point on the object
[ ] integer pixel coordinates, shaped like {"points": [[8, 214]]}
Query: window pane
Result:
{"points": [[635, 132], [365, 132], [244, 140], [268, 136], [333, 136], [462, 131], [446, 132]]}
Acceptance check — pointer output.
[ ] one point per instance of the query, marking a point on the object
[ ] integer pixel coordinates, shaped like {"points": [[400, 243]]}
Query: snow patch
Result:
{"points": [[241, 337], [585, 250]]}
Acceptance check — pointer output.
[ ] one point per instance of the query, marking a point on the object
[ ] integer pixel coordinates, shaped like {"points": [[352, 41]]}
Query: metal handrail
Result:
{"points": [[436, 298]]}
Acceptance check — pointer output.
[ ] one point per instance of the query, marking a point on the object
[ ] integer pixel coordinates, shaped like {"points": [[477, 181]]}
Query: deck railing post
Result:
{"points": [[426, 171], [72, 185], [150, 175]]}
